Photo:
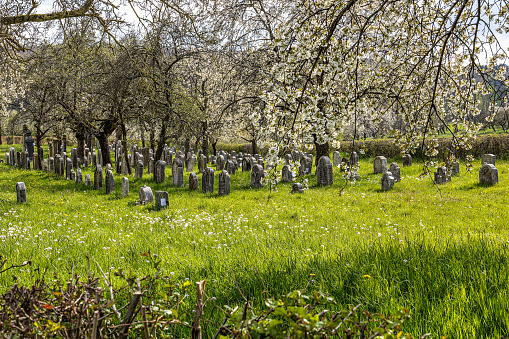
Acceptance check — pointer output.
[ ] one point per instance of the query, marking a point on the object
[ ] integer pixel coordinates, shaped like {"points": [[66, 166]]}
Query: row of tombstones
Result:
{"points": [[488, 174]]}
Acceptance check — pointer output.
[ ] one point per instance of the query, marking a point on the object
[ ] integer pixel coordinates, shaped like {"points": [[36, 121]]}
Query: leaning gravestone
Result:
{"points": [[440, 176], [488, 159], [380, 165], [256, 176], [396, 172], [162, 198], [98, 178], [193, 182], [21, 192], [488, 174], [207, 181], [224, 182], [407, 160], [286, 174], [109, 182], [387, 181], [297, 188], [324, 172], [145, 194], [125, 187]]}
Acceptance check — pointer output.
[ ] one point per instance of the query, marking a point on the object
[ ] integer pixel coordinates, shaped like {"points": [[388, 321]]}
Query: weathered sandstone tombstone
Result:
{"points": [[455, 169], [151, 164], [246, 164], [109, 182], [297, 188], [161, 199], [488, 159], [145, 195], [231, 167], [224, 182], [159, 171], [488, 174], [202, 163], [306, 164], [124, 187], [387, 181], [286, 174], [98, 178], [324, 172], [138, 171], [396, 172], [207, 181], [45, 165], [256, 176], [407, 160], [336, 159], [79, 176], [440, 176], [380, 165], [193, 182], [21, 193], [68, 169], [88, 181]]}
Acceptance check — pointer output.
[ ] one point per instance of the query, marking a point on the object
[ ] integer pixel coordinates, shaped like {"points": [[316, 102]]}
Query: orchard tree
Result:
{"points": [[339, 59]]}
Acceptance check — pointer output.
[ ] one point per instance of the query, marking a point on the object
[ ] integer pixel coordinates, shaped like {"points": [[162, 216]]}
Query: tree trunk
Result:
{"points": [[0, 133], [214, 143], [38, 138], [142, 137], [321, 150], [204, 139], [254, 147], [152, 140], [105, 149], [124, 144], [162, 138], [80, 137]]}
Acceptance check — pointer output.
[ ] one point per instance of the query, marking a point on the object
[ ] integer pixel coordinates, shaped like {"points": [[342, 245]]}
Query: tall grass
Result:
{"points": [[440, 251]]}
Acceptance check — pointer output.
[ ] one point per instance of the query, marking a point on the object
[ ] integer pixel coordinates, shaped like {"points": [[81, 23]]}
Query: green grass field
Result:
{"points": [[442, 251]]}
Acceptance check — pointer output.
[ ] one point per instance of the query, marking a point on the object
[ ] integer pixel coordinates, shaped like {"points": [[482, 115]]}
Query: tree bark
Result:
{"points": [[321, 150], [152, 140], [205, 139], [254, 147], [214, 143], [80, 137], [105, 149], [162, 138]]}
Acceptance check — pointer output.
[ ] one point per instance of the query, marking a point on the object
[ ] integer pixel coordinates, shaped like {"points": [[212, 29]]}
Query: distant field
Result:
{"points": [[442, 252]]}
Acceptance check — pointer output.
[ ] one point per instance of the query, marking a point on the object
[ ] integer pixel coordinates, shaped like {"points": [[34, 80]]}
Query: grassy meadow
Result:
{"points": [[442, 252]]}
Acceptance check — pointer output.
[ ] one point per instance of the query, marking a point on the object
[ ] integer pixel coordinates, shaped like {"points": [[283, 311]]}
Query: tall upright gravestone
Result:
{"points": [[256, 176], [207, 181], [324, 173], [224, 183], [98, 178], [21, 192]]}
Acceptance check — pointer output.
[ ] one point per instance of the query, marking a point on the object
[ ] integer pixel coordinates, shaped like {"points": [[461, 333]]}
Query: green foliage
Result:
{"points": [[441, 252]]}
